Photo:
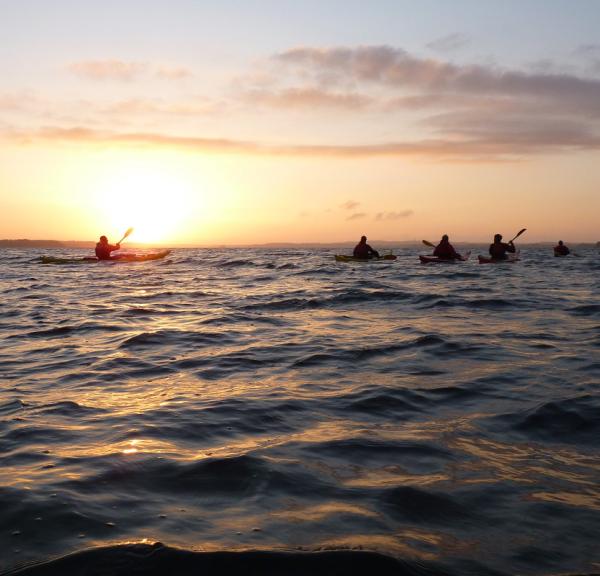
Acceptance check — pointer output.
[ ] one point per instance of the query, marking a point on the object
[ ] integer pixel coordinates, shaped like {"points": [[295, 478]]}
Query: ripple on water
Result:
{"points": [[270, 400]]}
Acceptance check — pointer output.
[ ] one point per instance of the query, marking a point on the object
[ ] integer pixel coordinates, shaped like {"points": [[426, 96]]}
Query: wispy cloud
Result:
{"points": [[453, 112], [122, 71], [310, 98], [173, 72], [357, 216], [393, 215], [448, 43], [396, 69], [17, 101], [350, 205], [487, 147], [147, 106], [108, 69]]}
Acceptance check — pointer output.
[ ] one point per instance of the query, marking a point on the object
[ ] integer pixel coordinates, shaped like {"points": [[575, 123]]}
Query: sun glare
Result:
{"points": [[151, 199]]}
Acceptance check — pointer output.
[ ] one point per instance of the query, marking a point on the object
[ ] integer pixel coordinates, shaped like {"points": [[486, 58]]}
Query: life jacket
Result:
{"points": [[103, 250], [362, 250], [445, 250], [561, 250], [498, 250]]}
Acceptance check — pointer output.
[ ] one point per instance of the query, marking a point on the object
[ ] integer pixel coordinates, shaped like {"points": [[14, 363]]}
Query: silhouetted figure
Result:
{"points": [[103, 248], [499, 249], [561, 249], [445, 250], [364, 251]]}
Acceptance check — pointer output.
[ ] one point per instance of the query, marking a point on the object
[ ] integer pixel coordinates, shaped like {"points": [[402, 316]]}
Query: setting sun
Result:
{"points": [[152, 199]]}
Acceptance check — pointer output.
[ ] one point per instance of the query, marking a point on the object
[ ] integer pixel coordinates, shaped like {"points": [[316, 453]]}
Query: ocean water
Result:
{"points": [[383, 417]]}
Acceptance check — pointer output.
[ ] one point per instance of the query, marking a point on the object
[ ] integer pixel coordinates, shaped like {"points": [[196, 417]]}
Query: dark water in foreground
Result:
{"points": [[447, 417]]}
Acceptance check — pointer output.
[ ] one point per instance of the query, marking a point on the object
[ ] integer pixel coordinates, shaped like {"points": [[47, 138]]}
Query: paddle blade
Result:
{"points": [[520, 232], [127, 233], [427, 243]]}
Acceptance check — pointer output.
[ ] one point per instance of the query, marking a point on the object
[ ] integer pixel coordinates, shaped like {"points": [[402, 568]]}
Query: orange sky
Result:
{"points": [[307, 136]]}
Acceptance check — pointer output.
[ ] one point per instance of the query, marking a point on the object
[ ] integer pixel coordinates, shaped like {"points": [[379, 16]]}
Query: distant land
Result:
{"points": [[377, 244]]}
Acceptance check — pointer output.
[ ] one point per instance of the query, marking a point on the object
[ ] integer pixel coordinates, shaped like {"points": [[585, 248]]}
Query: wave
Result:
{"points": [[568, 421], [157, 559]]}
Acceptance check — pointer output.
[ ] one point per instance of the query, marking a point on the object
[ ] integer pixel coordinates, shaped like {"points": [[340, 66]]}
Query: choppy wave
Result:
{"points": [[276, 412]]}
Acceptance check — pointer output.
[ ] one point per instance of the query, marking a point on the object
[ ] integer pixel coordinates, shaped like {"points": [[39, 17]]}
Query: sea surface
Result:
{"points": [[310, 416]]}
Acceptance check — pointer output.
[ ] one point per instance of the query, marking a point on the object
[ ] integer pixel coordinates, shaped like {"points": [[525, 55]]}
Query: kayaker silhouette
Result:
{"points": [[364, 251], [561, 249], [445, 250], [499, 249], [103, 248]]}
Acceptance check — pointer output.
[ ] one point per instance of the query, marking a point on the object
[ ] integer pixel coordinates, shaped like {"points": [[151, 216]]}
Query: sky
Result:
{"points": [[317, 121]]}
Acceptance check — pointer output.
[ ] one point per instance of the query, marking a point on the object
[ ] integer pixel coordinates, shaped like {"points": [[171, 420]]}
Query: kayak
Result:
{"points": [[117, 259], [436, 260], [343, 258], [509, 259]]}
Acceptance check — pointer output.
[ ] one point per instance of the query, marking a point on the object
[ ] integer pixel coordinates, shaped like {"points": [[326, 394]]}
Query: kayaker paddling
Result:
{"points": [[498, 250], [561, 249], [364, 251], [445, 251], [103, 248]]}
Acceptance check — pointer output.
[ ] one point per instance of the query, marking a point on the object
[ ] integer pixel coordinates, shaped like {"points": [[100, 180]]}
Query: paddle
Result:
{"points": [[127, 233], [520, 232]]}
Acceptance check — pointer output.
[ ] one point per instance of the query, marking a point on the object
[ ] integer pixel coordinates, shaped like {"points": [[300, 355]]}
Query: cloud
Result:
{"points": [[357, 216], [448, 43], [121, 71], [307, 98], [173, 72], [17, 101], [393, 215], [590, 53], [481, 146], [451, 111], [146, 106], [588, 50], [349, 205], [396, 69], [108, 69]]}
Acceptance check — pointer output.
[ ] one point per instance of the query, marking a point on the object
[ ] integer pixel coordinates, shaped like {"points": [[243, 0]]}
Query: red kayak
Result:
{"points": [[436, 260]]}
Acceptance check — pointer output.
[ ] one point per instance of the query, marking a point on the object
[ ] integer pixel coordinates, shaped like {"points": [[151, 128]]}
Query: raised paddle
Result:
{"points": [[427, 243], [127, 233], [519, 233]]}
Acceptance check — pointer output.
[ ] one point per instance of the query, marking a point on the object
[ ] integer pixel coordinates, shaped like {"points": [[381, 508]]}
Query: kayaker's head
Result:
{"points": [[560, 242], [445, 238], [363, 239], [103, 240], [497, 237]]}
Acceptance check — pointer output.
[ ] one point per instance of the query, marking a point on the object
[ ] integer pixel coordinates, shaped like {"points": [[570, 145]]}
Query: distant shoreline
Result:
{"points": [[382, 244]]}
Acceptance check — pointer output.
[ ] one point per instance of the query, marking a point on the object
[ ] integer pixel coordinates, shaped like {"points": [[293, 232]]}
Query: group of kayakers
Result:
{"points": [[445, 251]]}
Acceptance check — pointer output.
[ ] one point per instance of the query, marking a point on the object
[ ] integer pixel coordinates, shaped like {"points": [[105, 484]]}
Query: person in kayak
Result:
{"points": [[561, 249], [499, 249], [364, 251], [445, 251], [103, 248]]}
